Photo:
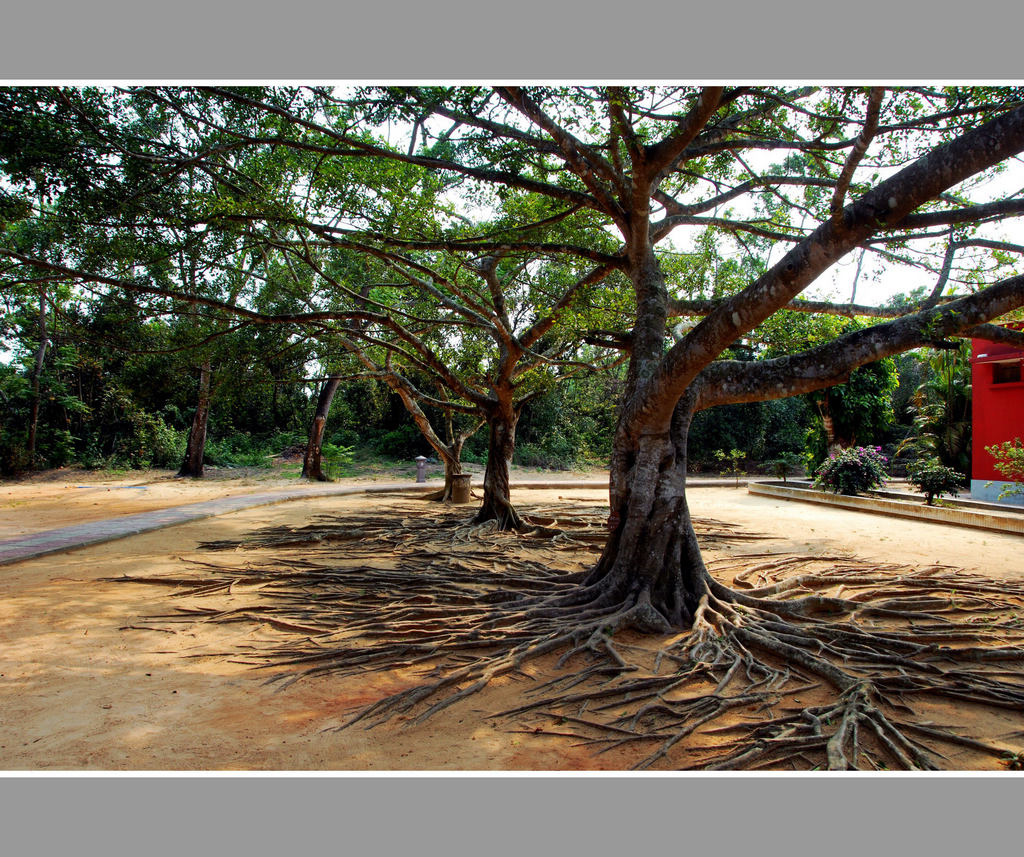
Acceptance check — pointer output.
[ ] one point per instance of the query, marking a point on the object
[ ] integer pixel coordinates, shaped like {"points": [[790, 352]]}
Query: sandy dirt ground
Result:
{"points": [[58, 498], [88, 683]]}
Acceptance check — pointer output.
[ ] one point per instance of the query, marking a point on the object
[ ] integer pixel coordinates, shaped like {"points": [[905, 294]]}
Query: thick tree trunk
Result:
{"points": [[651, 561], [501, 444], [451, 458], [312, 464], [192, 466], [651, 564]]}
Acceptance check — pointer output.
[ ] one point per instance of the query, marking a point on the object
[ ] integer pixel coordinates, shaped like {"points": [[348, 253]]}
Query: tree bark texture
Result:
{"points": [[651, 561], [192, 466], [312, 462], [451, 458], [501, 444]]}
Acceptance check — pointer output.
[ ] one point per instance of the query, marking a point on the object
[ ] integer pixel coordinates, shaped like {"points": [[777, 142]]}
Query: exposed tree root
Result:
{"points": [[802, 662]]}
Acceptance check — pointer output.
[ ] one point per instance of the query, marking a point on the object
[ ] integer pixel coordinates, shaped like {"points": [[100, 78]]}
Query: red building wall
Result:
{"points": [[997, 400]]}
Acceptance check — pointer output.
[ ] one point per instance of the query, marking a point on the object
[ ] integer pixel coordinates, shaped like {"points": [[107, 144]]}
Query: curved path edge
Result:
{"points": [[95, 532], [76, 536]]}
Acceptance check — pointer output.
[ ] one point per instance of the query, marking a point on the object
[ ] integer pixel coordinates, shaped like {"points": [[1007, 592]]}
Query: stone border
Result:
{"points": [[990, 489], [1006, 522]]}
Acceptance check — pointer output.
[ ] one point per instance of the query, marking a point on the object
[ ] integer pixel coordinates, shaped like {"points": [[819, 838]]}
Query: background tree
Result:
{"points": [[476, 336]]}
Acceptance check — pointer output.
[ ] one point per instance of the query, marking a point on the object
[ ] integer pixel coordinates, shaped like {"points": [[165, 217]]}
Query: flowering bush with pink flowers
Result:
{"points": [[852, 471]]}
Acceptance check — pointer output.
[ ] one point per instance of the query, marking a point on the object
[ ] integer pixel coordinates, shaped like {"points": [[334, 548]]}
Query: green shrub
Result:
{"points": [[785, 465], [333, 458], [473, 454], [343, 436], [852, 471], [933, 478], [237, 450], [287, 439], [404, 442], [146, 441], [554, 451], [1009, 458], [536, 455]]}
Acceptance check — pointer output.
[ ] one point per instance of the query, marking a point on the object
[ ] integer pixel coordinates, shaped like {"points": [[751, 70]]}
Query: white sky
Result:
{"points": [[879, 279]]}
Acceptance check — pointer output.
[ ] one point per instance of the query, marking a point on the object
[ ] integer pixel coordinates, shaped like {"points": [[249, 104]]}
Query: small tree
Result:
{"points": [[852, 471], [1010, 462], [933, 479], [858, 411], [731, 462], [785, 464]]}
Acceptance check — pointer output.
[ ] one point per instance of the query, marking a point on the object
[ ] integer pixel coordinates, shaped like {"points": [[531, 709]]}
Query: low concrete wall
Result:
{"points": [[983, 489], [1002, 522]]}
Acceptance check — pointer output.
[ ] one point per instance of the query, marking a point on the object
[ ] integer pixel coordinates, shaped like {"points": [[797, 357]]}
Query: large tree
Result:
{"points": [[884, 172], [881, 170]]}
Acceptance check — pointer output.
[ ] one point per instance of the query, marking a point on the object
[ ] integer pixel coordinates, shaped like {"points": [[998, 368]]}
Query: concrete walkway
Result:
{"points": [[94, 532]]}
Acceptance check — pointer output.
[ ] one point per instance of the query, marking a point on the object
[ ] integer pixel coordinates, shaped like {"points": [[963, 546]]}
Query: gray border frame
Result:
{"points": [[876, 40], [529, 40]]}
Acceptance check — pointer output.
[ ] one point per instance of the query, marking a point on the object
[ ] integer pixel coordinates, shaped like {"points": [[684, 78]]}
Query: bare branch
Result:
{"points": [[662, 157], [995, 333], [970, 214], [361, 148], [856, 154], [940, 284], [826, 365], [889, 202], [682, 307], [583, 160]]}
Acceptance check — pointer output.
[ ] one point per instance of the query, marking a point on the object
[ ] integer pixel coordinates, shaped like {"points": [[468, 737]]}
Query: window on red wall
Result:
{"points": [[1005, 373]]}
